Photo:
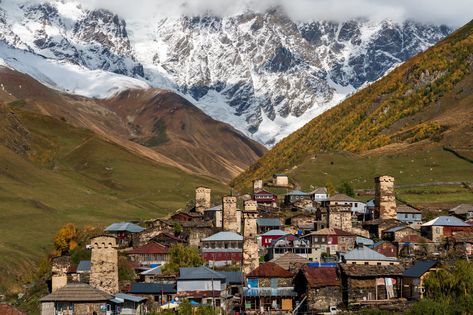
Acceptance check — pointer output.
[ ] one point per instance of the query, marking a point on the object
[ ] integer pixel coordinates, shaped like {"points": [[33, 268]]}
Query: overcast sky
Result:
{"points": [[450, 12]]}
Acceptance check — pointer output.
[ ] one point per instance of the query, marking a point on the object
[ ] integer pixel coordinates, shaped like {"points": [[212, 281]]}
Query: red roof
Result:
{"points": [[321, 277], [263, 192], [150, 248], [270, 270], [7, 309]]}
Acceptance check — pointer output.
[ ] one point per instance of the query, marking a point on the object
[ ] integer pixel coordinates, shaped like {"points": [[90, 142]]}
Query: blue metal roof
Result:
{"points": [[128, 297], [83, 266], [152, 288], [284, 291], [297, 193], [268, 222], [321, 265], [233, 277], [419, 268], [124, 227]]}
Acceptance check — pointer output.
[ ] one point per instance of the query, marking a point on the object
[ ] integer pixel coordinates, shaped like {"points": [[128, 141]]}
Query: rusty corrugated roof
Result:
{"points": [[270, 270]]}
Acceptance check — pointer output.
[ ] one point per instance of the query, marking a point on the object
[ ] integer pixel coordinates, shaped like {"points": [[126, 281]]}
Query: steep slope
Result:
{"points": [[263, 73], [425, 104], [156, 124], [52, 173]]}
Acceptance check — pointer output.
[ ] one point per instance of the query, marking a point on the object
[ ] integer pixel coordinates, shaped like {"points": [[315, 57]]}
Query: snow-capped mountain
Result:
{"points": [[265, 74]]}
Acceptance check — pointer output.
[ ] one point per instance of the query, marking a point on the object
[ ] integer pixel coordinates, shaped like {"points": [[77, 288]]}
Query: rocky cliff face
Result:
{"points": [[263, 73]]}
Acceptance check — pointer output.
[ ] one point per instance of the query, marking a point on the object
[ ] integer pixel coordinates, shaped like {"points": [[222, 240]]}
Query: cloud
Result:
{"points": [[450, 12]]}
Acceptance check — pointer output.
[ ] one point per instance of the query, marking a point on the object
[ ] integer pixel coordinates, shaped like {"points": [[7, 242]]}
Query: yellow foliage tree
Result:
{"points": [[65, 239]]}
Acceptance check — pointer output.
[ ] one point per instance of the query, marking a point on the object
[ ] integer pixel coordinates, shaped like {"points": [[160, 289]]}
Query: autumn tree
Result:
{"points": [[65, 239], [182, 256]]}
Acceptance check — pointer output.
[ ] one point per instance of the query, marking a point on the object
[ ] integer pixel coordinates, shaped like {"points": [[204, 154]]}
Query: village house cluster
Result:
{"points": [[297, 253]]}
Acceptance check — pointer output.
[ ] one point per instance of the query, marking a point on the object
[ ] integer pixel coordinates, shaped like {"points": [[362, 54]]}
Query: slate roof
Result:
{"points": [[83, 266], [270, 270], [446, 221], [124, 227], [199, 273], [290, 259], [364, 240], [152, 288], [152, 271], [414, 238], [7, 309], [224, 236], [365, 253], [263, 222], [321, 277], [274, 233], [77, 292], [341, 197], [128, 297], [332, 231], [216, 208], [150, 248], [396, 228], [297, 193], [319, 191], [403, 208], [233, 277], [419, 268], [462, 209], [360, 271]]}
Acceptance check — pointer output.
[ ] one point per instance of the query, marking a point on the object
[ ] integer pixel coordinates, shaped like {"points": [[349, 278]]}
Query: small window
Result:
{"points": [[366, 263], [353, 263], [379, 264]]}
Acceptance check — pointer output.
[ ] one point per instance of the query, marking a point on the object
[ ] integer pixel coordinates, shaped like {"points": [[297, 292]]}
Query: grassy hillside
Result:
{"points": [[52, 173], [425, 104]]}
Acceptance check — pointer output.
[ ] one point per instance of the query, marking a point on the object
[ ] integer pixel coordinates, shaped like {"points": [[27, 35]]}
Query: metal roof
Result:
{"points": [[152, 271], [224, 236], [462, 209], [274, 233], [199, 273], [396, 228], [419, 268], [77, 292], [363, 240], [124, 227], [268, 222], [284, 291], [152, 288], [341, 197], [216, 208], [446, 221], [365, 253], [233, 277], [83, 266], [319, 191], [128, 297], [297, 193], [403, 208]]}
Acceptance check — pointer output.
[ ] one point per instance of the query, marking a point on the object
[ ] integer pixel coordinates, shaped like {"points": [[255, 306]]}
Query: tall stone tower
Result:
{"points": [[340, 217], [104, 264], [59, 268], [385, 199], [251, 205], [231, 217], [202, 199], [257, 185], [250, 243]]}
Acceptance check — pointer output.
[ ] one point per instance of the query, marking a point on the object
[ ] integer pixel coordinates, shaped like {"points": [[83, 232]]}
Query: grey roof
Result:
{"points": [[365, 253], [297, 193], [128, 297], [77, 292], [199, 273], [403, 208], [233, 277], [446, 221], [152, 271], [462, 209], [268, 222], [319, 191], [419, 268], [341, 197], [151, 288], [363, 240], [396, 228], [216, 208], [274, 233], [224, 236], [370, 203], [83, 266], [124, 227]]}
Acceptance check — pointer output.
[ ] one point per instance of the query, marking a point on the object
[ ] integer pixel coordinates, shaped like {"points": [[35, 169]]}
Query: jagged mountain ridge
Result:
{"points": [[264, 74]]}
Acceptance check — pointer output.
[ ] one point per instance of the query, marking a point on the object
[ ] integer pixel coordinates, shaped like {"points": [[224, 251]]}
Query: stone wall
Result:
{"points": [[250, 243], [59, 268], [385, 199], [87, 308], [230, 216], [250, 205], [321, 299], [104, 264], [340, 218], [257, 185], [196, 234], [202, 199]]}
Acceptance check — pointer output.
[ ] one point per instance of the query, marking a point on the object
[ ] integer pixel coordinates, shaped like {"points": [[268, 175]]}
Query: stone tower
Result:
{"points": [[385, 199], [340, 217], [257, 185], [251, 205], [104, 264], [59, 268], [250, 243], [231, 217], [202, 199]]}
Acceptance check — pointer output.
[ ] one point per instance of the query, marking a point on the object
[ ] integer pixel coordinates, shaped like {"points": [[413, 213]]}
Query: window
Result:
{"points": [[366, 263], [379, 264], [356, 205], [406, 216]]}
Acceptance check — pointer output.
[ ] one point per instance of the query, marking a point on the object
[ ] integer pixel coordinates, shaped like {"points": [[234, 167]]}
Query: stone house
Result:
{"points": [[181, 216], [124, 232], [215, 215], [291, 262], [222, 248], [386, 248], [408, 215], [385, 198], [367, 283], [280, 180], [462, 243], [363, 255], [415, 244], [152, 254], [167, 239], [269, 289], [301, 220], [394, 234], [413, 278], [356, 207], [76, 299], [322, 287], [196, 230], [340, 217], [463, 211], [444, 226]]}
